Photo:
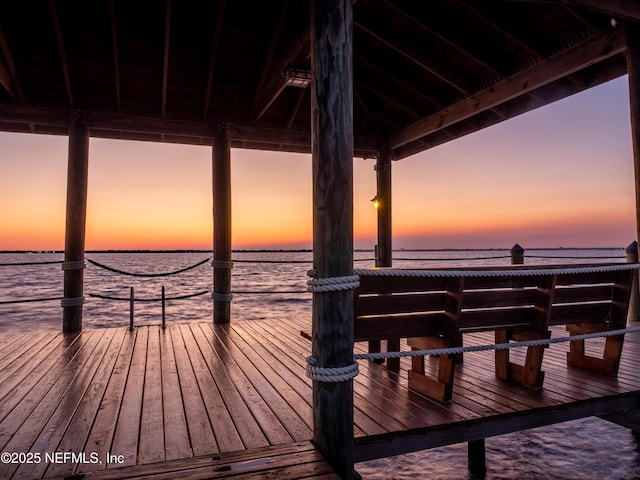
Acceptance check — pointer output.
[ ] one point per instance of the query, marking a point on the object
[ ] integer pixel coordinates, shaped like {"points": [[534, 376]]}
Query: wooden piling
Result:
{"points": [[221, 171], [517, 255], [76, 217], [332, 158], [633, 69], [634, 299], [476, 456], [383, 195]]}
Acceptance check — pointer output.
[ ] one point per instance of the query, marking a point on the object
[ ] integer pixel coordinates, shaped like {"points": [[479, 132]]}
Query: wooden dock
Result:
{"points": [[210, 401]]}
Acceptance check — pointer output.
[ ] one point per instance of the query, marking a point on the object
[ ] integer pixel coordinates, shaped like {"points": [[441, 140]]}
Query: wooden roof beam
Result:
{"points": [[116, 61], [402, 11], [619, 9], [9, 78], [165, 65], [565, 63], [61, 50], [269, 57], [447, 76], [214, 54], [275, 84]]}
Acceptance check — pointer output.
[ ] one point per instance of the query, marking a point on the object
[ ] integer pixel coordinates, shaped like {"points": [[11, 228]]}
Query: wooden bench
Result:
{"points": [[435, 308]]}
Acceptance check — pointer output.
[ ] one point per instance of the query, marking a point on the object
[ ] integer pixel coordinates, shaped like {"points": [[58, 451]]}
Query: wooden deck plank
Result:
{"points": [[103, 429], [251, 384], [297, 354], [271, 462], [248, 428], [283, 373], [203, 441], [58, 423], [36, 386], [176, 441], [19, 348], [21, 432], [78, 395], [227, 436], [9, 339], [77, 432], [125, 438], [152, 431], [31, 361]]}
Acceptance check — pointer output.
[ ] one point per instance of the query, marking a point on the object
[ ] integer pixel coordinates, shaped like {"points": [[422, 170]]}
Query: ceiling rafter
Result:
{"points": [[447, 76], [214, 54], [116, 60], [165, 64], [277, 83], [622, 9], [441, 38], [14, 86], [5, 81], [296, 107], [555, 67], [61, 50], [269, 57], [387, 97], [535, 54], [619, 9]]}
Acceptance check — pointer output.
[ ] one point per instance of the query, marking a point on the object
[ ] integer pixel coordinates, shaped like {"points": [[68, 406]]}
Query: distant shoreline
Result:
{"points": [[285, 250]]}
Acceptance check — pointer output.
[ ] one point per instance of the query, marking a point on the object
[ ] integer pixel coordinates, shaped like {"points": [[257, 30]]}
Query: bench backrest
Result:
{"points": [[480, 299]]}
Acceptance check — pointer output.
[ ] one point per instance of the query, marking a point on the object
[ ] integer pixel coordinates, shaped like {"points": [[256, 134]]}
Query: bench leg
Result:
{"points": [[374, 347], [530, 374], [393, 345], [610, 361], [502, 356], [440, 389]]}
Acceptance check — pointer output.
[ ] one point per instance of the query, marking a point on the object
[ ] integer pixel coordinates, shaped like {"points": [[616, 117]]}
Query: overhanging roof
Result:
{"points": [[424, 72]]}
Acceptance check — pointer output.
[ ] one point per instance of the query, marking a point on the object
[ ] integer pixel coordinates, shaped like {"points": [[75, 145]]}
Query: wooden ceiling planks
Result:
{"points": [[424, 72]]}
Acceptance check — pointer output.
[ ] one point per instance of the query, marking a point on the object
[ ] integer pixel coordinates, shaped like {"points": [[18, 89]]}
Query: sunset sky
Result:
{"points": [[558, 176]]}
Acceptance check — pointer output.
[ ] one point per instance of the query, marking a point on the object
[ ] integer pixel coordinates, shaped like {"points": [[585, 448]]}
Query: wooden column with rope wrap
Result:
{"points": [[332, 157], [221, 173], [76, 219]]}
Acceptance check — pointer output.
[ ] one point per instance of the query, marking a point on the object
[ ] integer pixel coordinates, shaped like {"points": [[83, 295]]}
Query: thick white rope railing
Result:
{"points": [[342, 374], [494, 273], [498, 346]]}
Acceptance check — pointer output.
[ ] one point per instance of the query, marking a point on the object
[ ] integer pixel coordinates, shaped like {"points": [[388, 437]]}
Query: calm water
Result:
{"points": [[583, 449]]}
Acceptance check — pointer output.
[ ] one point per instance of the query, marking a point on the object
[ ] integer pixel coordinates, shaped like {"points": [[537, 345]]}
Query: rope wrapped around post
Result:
{"points": [[332, 375], [332, 284], [222, 297], [74, 265], [72, 302], [323, 285], [221, 263]]}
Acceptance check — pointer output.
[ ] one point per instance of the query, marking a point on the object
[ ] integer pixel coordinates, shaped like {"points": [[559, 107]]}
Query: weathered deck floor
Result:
{"points": [[154, 397]]}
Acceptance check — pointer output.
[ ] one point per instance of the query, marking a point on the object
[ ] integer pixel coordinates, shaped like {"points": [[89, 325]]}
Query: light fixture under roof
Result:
{"points": [[297, 77]]}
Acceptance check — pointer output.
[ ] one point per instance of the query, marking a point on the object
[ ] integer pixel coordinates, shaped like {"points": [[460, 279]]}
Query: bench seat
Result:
{"points": [[435, 308]]}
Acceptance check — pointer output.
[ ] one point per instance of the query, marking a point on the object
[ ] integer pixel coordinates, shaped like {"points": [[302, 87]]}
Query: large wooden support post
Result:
{"points": [[383, 195], [633, 69], [332, 156], [76, 216], [221, 169]]}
